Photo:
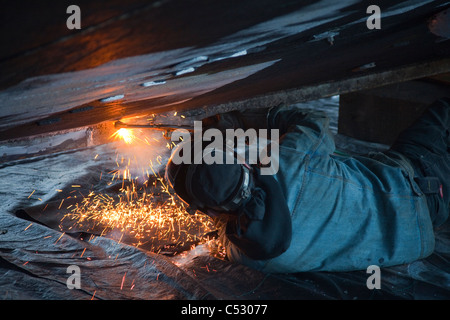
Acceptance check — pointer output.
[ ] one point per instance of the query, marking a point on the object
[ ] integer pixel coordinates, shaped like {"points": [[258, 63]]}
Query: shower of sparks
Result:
{"points": [[145, 212]]}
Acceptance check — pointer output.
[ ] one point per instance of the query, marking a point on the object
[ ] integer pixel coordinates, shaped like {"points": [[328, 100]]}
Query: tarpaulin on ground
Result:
{"points": [[41, 241]]}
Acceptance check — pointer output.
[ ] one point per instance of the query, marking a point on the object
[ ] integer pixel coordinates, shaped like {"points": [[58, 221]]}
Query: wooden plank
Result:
{"points": [[285, 55], [379, 115]]}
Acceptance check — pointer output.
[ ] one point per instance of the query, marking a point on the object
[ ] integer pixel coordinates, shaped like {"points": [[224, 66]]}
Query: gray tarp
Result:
{"points": [[36, 249]]}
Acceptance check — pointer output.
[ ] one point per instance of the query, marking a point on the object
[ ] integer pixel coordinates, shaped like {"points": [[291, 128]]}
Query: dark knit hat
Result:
{"points": [[214, 184]]}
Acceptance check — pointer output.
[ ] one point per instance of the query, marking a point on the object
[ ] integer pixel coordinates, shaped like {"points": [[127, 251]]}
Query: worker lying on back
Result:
{"points": [[322, 211]]}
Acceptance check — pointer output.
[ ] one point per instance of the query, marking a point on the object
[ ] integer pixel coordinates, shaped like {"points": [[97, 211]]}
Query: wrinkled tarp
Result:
{"points": [[35, 251]]}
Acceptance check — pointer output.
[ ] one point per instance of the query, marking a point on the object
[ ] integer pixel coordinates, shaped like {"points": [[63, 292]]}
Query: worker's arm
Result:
{"points": [[304, 130]]}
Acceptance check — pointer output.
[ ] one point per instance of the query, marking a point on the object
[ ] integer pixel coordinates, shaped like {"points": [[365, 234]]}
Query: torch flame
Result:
{"points": [[126, 135]]}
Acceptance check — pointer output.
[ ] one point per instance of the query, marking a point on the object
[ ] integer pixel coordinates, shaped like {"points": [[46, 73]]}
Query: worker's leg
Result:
{"points": [[427, 144]]}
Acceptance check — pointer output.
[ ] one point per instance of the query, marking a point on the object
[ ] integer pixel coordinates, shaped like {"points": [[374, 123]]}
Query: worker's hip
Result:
{"points": [[433, 178], [426, 144]]}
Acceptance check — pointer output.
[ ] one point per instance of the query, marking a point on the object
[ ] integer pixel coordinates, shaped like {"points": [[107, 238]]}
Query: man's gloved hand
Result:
{"points": [[251, 118], [255, 118], [223, 121]]}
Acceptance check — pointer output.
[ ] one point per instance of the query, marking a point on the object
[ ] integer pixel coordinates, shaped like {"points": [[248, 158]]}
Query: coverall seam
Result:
{"points": [[321, 138], [419, 227], [305, 179]]}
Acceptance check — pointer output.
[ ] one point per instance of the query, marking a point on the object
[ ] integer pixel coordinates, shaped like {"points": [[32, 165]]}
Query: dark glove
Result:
{"points": [[250, 118], [223, 121], [255, 118]]}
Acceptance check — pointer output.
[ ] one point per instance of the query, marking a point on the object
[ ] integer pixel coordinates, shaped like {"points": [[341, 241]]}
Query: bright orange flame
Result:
{"points": [[126, 135]]}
